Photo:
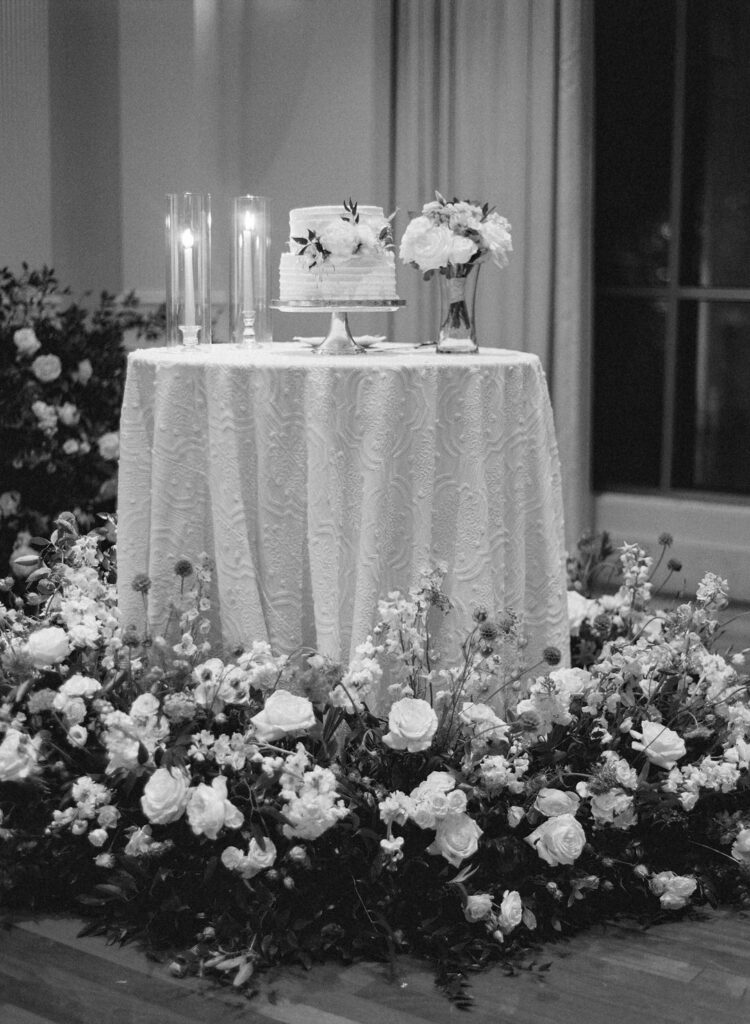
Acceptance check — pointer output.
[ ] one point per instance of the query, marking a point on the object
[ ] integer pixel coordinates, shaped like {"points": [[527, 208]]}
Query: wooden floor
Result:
{"points": [[681, 973]]}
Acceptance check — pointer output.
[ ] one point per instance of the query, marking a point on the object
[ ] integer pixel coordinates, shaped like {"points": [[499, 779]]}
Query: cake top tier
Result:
{"points": [[320, 218]]}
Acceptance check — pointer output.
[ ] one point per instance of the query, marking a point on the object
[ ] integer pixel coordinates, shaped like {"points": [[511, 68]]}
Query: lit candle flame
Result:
{"points": [[187, 238]]}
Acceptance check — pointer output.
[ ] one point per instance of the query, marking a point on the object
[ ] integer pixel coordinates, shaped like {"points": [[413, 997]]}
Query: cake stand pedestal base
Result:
{"points": [[339, 340]]}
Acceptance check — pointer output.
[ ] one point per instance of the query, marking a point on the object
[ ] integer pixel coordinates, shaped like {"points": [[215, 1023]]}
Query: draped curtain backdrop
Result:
{"points": [[492, 100]]}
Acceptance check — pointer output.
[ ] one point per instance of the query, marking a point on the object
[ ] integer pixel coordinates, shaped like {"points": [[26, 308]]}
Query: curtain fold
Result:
{"points": [[493, 102]]}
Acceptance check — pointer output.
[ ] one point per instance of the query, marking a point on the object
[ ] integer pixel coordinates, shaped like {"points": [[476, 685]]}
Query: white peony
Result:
{"points": [[340, 238], [284, 714], [412, 723]]}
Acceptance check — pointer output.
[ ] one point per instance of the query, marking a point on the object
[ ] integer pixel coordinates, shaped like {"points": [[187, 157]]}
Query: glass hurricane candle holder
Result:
{"points": [[188, 235], [248, 271]]}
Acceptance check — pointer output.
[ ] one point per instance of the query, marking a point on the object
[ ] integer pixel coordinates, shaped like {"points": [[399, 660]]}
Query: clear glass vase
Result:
{"points": [[188, 237], [458, 290], [248, 277]]}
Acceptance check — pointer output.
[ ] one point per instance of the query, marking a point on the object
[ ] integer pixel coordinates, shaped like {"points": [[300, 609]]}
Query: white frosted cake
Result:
{"points": [[338, 254]]}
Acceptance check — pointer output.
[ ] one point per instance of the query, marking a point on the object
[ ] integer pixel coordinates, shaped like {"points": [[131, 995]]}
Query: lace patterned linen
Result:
{"points": [[318, 484]]}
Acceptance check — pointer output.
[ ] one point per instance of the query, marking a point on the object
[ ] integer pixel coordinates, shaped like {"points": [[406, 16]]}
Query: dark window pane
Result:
{"points": [[634, 99], [712, 413], [716, 157], [629, 371]]}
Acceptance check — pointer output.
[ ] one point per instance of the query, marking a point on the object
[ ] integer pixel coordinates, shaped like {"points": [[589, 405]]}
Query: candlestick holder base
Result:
{"points": [[339, 341], [249, 339], [189, 335]]}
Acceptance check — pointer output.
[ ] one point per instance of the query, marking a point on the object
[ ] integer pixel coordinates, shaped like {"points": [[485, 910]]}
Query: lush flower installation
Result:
{"points": [[62, 372], [250, 810]]}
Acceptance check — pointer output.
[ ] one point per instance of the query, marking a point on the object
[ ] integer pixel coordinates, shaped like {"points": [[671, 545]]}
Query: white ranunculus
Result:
{"points": [[741, 847], [165, 795], [209, 809], [662, 746], [26, 341], [511, 911], [46, 368], [427, 244], [558, 840], [573, 682], [109, 445], [284, 714], [456, 838], [77, 735], [553, 802], [19, 756], [48, 646], [674, 891], [412, 723], [478, 907]]}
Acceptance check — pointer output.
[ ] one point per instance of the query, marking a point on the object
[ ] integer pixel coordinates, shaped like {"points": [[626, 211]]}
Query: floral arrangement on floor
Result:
{"points": [[344, 237], [62, 372], [237, 812]]}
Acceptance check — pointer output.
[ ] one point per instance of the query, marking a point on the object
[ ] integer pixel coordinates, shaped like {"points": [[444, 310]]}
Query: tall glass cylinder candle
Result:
{"points": [[188, 236], [248, 278]]}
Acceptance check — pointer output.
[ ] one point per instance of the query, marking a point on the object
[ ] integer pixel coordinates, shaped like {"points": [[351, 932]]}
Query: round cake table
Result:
{"points": [[319, 483]]}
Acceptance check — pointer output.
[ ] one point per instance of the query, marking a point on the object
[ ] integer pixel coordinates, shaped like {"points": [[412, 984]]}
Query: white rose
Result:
{"points": [[516, 815], [674, 891], [340, 238], [456, 838], [26, 341], [145, 706], [165, 795], [615, 807], [46, 368], [412, 723], [580, 608], [741, 846], [48, 646], [10, 502], [284, 714], [483, 722], [209, 810], [232, 858], [511, 911], [258, 859], [662, 746], [109, 445], [426, 244], [553, 802], [77, 735], [573, 682], [478, 907], [462, 249], [68, 414], [558, 840], [18, 756], [84, 372]]}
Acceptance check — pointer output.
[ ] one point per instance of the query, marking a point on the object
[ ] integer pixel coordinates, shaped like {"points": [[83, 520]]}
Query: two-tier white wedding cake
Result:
{"points": [[338, 254]]}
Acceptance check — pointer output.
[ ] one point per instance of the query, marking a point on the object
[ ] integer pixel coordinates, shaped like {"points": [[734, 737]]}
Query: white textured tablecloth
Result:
{"points": [[320, 483]]}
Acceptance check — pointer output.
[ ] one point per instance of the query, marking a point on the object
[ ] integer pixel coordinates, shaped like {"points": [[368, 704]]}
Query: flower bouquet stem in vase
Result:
{"points": [[457, 312]]}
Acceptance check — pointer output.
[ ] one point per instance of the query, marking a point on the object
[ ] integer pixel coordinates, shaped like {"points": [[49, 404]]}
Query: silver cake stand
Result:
{"points": [[339, 340]]}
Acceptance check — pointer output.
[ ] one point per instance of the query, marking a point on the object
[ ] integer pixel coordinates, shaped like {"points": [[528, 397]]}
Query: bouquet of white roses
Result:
{"points": [[452, 237]]}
